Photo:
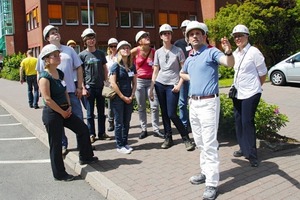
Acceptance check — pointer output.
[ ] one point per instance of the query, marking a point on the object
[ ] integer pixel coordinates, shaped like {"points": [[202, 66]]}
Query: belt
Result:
{"points": [[204, 97], [64, 105]]}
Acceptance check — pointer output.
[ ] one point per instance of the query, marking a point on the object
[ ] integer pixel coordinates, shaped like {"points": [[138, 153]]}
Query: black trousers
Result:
{"points": [[55, 124]]}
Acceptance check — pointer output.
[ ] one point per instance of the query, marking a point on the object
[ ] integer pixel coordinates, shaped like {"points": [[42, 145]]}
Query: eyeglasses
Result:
{"points": [[238, 36], [145, 35], [167, 58], [166, 33], [113, 46]]}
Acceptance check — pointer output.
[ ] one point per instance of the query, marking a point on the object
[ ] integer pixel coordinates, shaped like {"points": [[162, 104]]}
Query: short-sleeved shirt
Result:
{"points": [[28, 65], [144, 65], [93, 68], [68, 65], [169, 65], [123, 79], [57, 89], [252, 66], [110, 61], [181, 43], [202, 68]]}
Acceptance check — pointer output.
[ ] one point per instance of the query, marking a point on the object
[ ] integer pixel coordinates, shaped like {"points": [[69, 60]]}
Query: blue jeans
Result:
{"points": [[168, 101], [33, 99], [244, 113], [95, 95], [110, 111], [183, 102], [122, 113], [76, 110]]}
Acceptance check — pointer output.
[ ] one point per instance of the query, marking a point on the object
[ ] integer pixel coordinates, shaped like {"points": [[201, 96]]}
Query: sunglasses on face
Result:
{"points": [[145, 35], [166, 33], [113, 46]]}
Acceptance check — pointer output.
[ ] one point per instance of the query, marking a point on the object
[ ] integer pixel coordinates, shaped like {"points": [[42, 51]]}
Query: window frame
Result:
{"points": [[92, 15], [152, 19], [141, 19], [76, 21], [129, 19], [107, 16], [55, 21]]}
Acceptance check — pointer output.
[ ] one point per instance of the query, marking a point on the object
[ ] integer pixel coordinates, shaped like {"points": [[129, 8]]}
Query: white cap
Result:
{"points": [[112, 41], [123, 43], [195, 25], [139, 35], [185, 23], [165, 28], [240, 29], [48, 49], [47, 29], [87, 31]]}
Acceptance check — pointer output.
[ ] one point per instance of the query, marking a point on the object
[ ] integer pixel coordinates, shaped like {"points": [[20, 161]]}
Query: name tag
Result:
{"points": [[188, 48], [130, 74], [150, 63], [63, 83]]}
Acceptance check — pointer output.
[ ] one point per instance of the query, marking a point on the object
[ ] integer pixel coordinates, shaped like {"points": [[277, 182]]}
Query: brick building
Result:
{"points": [[121, 19]]}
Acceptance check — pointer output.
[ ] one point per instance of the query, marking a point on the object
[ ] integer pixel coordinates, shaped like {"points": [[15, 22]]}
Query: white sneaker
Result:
{"points": [[129, 148], [123, 150]]}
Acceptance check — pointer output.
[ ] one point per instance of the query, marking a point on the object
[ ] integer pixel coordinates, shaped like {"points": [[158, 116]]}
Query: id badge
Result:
{"points": [[130, 74], [63, 83], [150, 63], [188, 48]]}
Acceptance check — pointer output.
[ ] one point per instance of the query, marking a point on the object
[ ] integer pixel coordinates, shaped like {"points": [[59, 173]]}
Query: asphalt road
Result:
{"points": [[25, 168]]}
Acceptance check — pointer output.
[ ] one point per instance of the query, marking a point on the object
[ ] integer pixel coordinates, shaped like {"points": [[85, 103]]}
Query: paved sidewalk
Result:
{"points": [[151, 173]]}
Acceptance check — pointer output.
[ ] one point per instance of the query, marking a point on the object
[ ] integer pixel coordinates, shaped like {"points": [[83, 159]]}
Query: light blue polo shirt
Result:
{"points": [[202, 68]]}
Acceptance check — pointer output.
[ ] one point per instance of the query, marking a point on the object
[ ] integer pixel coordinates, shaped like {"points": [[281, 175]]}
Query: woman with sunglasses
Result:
{"points": [[167, 82], [143, 56], [111, 58]]}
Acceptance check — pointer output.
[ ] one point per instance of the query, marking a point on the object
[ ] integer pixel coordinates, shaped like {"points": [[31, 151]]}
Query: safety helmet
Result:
{"points": [[123, 43], [139, 35], [87, 31], [240, 28], [112, 41], [71, 42], [195, 25], [47, 29], [48, 49], [185, 23], [165, 28]]}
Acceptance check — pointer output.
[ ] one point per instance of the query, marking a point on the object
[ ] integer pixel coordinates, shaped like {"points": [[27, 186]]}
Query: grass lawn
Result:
{"points": [[225, 82]]}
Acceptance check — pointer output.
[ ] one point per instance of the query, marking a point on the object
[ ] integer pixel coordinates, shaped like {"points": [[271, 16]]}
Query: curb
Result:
{"points": [[99, 182]]}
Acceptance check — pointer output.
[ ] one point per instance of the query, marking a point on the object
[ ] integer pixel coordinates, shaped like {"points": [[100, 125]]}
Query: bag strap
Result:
{"points": [[146, 57], [240, 65]]}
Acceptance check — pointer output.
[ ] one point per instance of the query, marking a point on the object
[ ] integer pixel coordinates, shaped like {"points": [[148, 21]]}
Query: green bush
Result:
{"points": [[268, 119], [226, 72], [11, 65]]}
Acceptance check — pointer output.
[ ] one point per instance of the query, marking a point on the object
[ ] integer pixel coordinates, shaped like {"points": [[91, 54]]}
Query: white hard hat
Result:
{"points": [[48, 49], [185, 23], [240, 29], [139, 35], [112, 41], [165, 27], [47, 29], [123, 43], [195, 25], [87, 31]]}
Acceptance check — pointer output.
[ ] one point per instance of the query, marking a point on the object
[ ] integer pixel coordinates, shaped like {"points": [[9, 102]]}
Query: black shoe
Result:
{"points": [[36, 107], [111, 126], [30, 106], [253, 163], [89, 161], [68, 177], [143, 135], [238, 153], [158, 134], [167, 143]]}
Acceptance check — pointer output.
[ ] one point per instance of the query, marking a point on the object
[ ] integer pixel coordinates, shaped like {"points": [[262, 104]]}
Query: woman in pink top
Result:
{"points": [[143, 56]]}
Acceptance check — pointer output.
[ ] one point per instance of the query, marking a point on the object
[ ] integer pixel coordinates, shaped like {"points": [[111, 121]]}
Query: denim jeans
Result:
{"points": [[168, 101], [76, 110], [141, 94], [244, 113], [110, 111], [122, 112], [95, 95], [183, 103], [33, 99]]}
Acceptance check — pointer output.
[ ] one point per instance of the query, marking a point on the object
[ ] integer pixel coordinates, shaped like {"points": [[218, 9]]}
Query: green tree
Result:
{"points": [[274, 25]]}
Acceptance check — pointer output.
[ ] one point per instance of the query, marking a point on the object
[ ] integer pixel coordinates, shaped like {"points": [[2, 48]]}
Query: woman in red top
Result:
{"points": [[143, 56]]}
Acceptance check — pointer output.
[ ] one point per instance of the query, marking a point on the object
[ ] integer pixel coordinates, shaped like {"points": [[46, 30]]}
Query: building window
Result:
{"points": [[173, 20], [125, 19], [54, 14], [28, 21], [71, 13], [137, 19], [193, 17], [102, 15], [149, 20], [35, 18], [162, 18], [84, 15]]}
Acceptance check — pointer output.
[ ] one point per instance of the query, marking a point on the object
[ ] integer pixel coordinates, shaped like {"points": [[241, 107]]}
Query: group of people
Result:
{"points": [[180, 74]]}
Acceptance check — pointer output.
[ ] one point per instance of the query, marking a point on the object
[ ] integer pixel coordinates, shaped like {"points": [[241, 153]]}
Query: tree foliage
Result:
{"points": [[274, 25]]}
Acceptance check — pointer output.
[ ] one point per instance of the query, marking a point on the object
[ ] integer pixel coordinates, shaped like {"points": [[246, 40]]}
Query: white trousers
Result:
{"points": [[204, 119]]}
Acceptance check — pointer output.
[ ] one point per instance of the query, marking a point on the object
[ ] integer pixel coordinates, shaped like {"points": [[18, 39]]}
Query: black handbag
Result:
{"points": [[232, 92]]}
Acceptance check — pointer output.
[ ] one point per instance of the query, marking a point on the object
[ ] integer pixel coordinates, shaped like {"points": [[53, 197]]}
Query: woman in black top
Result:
{"points": [[57, 114]]}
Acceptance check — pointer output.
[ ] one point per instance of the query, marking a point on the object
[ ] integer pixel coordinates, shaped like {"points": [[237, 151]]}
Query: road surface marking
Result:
{"points": [[25, 161], [22, 138]]}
